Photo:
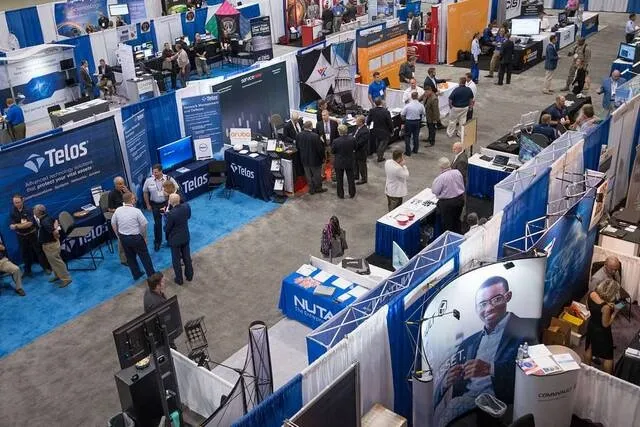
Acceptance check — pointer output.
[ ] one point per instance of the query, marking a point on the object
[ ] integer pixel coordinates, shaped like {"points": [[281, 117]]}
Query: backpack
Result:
{"points": [[333, 241]]}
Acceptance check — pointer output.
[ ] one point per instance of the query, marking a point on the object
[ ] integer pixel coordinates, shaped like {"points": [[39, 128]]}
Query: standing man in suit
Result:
{"points": [[130, 225], [49, 238], [292, 128], [344, 148], [487, 358], [312, 154], [608, 90], [154, 295], [327, 129], [155, 199], [382, 127], [432, 110], [177, 230], [87, 79], [550, 64], [460, 160], [24, 224], [506, 60], [114, 202], [361, 136], [433, 81]]}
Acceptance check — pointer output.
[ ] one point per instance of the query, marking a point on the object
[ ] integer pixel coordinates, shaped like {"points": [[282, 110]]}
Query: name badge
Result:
{"points": [[160, 194], [327, 136], [381, 92]]}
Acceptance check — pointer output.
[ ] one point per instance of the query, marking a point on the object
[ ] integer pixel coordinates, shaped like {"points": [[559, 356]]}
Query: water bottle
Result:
{"points": [[525, 350], [520, 353]]}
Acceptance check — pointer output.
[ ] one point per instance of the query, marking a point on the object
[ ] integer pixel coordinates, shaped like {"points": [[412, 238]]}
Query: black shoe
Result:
{"points": [[176, 282], [312, 192], [415, 151], [340, 197], [351, 197], [498, 84], [20, 292], [360, 182], [431, 144], [440, 126], [380, 159], [322, 190], [189, 279], [408, 154], [156, 247], [489, 75]]}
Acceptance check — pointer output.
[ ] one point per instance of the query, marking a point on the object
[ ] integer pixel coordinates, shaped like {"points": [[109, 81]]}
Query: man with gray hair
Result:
{"points": [[115, 201], [460, 159], [344, 148], [448, 187], [292, 128], [49, 238]]}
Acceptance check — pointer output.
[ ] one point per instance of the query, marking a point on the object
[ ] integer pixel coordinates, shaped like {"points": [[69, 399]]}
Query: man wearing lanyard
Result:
{"points": [[608, 90], [154, 199], [377, 88], [630, 29]]}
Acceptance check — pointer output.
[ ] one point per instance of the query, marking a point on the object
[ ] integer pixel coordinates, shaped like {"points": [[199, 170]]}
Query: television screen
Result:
{"points": [[67, 64], [627, 52], [338, 405], [525, 27], [118, 9], [528, 149], [176, 154], [562, 18], [131, 339]]}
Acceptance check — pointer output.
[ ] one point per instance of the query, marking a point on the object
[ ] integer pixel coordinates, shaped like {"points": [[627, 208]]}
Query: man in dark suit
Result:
{"points": [[506, 60], [344, 148], [177, 231], [154, 295], [382, 127], [105, 70], [327, 128], [292, 128], [460, 160], [487, 358], [86, 78], [312, 154], [361, 135], [432, 81]]}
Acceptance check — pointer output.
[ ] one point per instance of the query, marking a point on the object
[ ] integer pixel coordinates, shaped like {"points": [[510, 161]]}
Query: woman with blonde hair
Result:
{"points": [[599, 342]]}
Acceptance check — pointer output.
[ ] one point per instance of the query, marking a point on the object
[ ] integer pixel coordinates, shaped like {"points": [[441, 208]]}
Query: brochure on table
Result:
{"points": [[542, 362]]}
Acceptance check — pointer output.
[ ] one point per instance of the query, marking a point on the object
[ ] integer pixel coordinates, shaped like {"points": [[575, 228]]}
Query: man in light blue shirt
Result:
{"points": [[412, 113]]}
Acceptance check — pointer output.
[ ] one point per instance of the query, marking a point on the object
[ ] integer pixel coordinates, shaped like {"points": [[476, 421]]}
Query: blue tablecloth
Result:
{"points": [[251, 175], [195, 181], [75, 248], [408, 239], [589, 26], [299, 303], [481, 181]]}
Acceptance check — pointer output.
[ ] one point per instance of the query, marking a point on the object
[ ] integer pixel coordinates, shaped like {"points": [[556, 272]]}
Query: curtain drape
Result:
{"points": [[324, 370], [25, 25], [593, 142], [47, 22], [160, 114], [603, 398], [283, 403]]}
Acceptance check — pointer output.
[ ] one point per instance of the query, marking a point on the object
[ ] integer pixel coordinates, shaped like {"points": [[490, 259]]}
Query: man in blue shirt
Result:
{"points": [[550, 64], [545, 128], [460, 100], [558, 113], [338, 10], [377, 88], [15, 119]]}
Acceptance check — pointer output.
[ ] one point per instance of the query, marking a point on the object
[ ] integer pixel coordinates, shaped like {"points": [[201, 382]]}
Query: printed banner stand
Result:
{"points": [[136, 143], [203, 122], [261, 38]]}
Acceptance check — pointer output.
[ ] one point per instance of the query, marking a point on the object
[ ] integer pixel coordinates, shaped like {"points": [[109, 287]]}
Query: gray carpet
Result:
{"points": [[66, 377]]}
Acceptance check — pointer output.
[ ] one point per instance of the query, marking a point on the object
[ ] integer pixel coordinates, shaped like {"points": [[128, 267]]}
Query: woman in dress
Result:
{"points": [[599, 342]]}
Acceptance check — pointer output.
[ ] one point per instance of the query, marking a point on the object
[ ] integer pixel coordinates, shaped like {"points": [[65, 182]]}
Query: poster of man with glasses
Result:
{"points": [[500, 306]]}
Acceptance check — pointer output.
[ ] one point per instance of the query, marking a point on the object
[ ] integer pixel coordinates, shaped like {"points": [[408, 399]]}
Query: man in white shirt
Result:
{"points": [[413, 87], [155, 199], [130, 226], [630, 29], [396, 185], [474, 88], [183, 63]]}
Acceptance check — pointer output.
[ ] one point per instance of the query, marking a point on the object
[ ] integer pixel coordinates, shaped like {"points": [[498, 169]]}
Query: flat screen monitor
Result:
{"points": [[133, 339], [525, 27], [528, 149], [118, 9], [562, 18], [148, 53], [338, 405], [66, 64], [627, 52], [176, 154]]}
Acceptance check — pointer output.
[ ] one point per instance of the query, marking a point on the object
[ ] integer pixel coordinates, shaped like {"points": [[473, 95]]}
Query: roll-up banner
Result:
{"points": [[499, 306], [261, 38], [203, 122], [136, 141], [383, 51], [59, 171]]}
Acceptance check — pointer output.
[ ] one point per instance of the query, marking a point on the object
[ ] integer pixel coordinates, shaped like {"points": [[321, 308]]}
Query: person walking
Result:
{"points": [[178, 238], [382, 127], [130, 225], [475, 55], [49, 238], [312, 155], [460, 100], [361, 135], [506, 60], [495, 58], [344, 148], [432, 113], [581, 52], [412, 114], [550, 65], [396, 173]]}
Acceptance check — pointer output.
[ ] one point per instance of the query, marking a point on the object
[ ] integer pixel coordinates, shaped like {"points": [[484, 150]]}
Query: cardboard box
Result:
{"points": [[575, 339], [379, 416], [558, 333], [576, 324]]}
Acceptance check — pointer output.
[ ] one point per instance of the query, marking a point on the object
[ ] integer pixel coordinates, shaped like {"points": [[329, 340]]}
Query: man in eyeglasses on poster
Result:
{"points": [[485, 361]]}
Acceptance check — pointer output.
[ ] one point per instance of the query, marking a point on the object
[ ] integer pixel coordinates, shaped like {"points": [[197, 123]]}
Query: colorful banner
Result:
{"points": [[202, 121], [249, 100], [464, 19], [75, 16], [383, 51], [261, 38], [136, 142], [498, 306], [317, 75], [59, 171]]}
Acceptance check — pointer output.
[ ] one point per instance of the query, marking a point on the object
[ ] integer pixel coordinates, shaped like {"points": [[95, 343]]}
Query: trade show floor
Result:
{"points": [[238, 278]]}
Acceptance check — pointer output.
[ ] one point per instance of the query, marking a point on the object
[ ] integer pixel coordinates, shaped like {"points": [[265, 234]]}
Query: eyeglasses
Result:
{"points": [[497, 300]]}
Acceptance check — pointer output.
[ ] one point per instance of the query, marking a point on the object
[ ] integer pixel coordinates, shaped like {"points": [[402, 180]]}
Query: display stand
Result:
{"points": [[550, 398]]}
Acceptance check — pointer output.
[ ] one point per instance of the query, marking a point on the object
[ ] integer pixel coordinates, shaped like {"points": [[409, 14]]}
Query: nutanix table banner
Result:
{"points": [[474, 351], [59, 171]]}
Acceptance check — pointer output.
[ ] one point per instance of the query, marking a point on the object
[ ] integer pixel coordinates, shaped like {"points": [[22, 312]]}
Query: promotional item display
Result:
{"points": [[382, 51], [203, 122], [75, 17], [59, 171], [136, 141], [476, 324], [249, 100]]}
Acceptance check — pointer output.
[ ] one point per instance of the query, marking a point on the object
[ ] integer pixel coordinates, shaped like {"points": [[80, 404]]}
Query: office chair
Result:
{"points": [[540, 139], [67, 223], [217, 171]]}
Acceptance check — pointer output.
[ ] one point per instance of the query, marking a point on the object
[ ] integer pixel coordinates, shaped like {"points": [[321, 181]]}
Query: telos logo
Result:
{"points": [[34, 162], [241, 170], [196, 182], [57, 156]]}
